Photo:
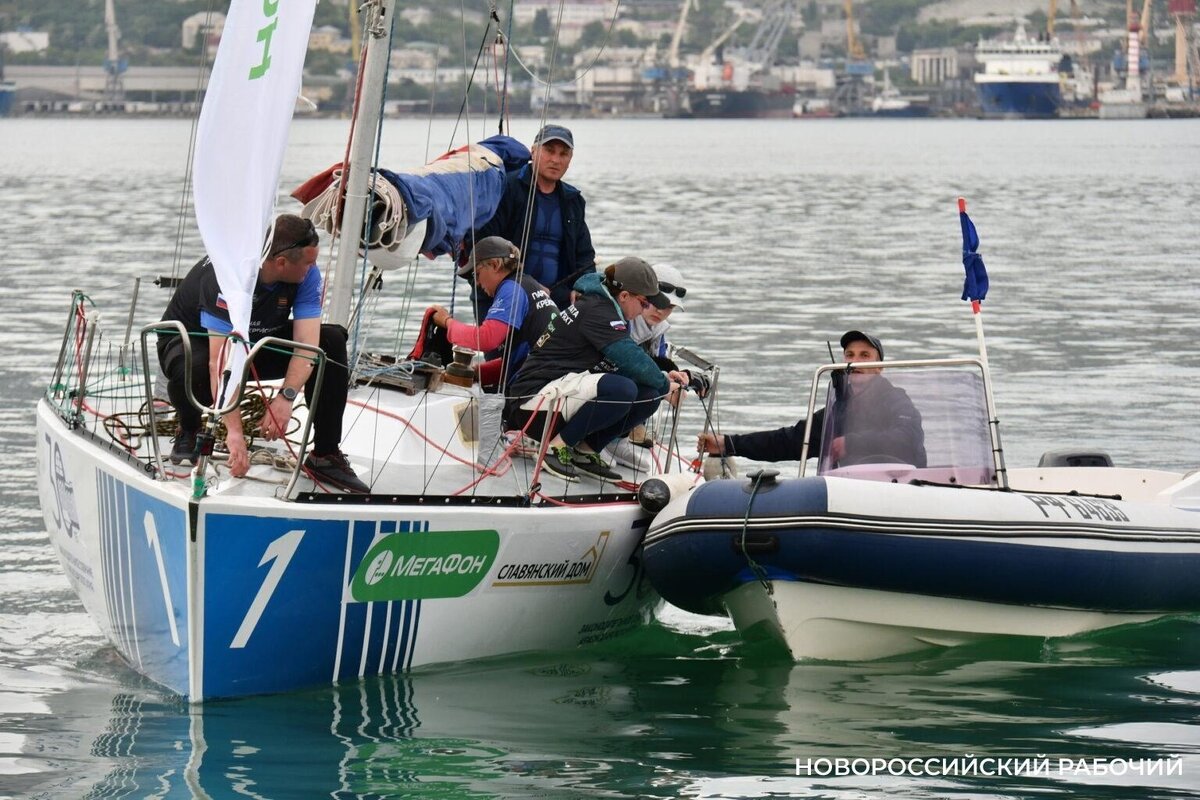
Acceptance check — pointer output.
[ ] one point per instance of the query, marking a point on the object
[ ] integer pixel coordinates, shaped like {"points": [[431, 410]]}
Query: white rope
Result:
{"points": [[512, 48]]}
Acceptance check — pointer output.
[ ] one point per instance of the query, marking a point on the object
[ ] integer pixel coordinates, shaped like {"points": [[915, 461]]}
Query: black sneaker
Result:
{"points": [[592, 464], [558, 462], [185, 447], [335, 470]]}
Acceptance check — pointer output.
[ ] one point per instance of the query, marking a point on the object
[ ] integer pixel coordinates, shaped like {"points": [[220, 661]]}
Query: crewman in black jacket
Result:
{"points": [[875, 421]]}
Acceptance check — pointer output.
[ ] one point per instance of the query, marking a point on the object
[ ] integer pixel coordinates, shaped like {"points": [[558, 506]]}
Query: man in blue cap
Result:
{"points": [[547, 225]]}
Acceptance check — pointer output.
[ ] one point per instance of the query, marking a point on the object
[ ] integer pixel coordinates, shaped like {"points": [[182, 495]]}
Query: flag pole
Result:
{"points": [[970, 243]]}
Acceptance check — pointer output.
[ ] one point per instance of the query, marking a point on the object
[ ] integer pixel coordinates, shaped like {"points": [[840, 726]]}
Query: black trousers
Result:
{"points": [[269, 365]]}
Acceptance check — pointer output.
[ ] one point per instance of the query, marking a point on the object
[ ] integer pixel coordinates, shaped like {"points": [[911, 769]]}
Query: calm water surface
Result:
{"points": [[789, 233]]}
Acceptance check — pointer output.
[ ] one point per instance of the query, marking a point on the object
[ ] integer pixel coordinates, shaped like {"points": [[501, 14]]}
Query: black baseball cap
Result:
{"points": [[859, 336]]}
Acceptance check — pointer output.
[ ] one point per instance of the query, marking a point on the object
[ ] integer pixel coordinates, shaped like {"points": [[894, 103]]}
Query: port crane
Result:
{"points": [[114, 64], [1187, 53], [852, 94]]}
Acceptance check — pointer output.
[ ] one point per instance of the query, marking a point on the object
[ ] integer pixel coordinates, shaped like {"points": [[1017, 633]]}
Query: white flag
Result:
{"points": [[241, 139]]}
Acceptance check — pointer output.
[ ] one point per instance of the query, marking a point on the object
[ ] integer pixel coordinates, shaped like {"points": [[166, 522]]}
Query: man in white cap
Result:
{"points": [[548, 224]]}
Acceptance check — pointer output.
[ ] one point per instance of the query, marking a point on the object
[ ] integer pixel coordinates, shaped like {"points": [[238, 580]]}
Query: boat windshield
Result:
{"points": [[904, 424]]}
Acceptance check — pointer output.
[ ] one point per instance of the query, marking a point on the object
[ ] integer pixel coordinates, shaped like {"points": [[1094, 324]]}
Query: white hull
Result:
{"points": [[815, 621], [844, 569], [270, 595]]}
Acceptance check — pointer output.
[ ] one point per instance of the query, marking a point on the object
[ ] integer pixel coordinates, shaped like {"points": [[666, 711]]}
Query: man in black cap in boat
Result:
{"points": [[547, 224], [286, 304], [875, 421]]}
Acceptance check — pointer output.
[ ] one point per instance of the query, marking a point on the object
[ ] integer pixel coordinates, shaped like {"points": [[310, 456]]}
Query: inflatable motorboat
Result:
{"points": [[873, 556]]}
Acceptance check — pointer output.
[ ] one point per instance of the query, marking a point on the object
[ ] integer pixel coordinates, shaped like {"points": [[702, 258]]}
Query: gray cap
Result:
{"points": [[859, 336], [551, 133], [637, 277], [489, 248]]}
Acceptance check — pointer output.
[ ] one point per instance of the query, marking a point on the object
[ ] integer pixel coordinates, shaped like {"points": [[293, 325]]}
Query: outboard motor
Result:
{"points": [[1075, 458]]}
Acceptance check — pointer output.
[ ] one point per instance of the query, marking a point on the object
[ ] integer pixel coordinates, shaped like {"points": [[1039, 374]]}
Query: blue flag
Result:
{"points": [[975, 287]]}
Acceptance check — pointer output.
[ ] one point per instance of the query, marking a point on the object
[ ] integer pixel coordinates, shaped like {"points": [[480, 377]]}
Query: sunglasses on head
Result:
{"points": [[309, 239], [670, 288]]}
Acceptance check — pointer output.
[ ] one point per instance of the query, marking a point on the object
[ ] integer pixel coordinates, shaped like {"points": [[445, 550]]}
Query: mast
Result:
{"points": [[369, 108]]}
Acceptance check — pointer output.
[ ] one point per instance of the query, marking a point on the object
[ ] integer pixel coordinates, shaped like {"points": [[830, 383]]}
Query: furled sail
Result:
{"points": [[451, 196], [240, 142]]}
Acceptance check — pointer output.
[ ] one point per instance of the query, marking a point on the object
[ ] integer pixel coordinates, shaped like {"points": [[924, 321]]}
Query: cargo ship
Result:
{"points": [[1019, 77], [735, 104]]}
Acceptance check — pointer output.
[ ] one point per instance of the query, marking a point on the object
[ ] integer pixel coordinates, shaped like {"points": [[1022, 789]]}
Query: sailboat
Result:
{"points": [[215, 586]]}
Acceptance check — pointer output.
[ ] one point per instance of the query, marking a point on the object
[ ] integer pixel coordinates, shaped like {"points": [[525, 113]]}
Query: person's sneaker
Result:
{"points": [[559, 462], [627, 454], [592, 464], [184, 448], [335, 470]]}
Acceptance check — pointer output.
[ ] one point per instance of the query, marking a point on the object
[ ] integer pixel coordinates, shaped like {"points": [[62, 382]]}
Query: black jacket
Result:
{"points": [[576, 255], [878, 420]]}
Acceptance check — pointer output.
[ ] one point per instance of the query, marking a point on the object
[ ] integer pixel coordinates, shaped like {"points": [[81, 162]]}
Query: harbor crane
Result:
{"points": [[114, 65], [1187, 53]]}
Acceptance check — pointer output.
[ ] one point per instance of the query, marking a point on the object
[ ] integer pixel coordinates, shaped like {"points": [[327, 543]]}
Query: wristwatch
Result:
{"points": [[289, 394]]}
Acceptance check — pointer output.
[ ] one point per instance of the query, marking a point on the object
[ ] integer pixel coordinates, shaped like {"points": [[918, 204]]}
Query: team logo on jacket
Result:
{"points": [[618, 325]]}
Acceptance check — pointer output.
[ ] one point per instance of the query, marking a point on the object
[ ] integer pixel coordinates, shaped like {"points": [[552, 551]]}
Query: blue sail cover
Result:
{"points": [[975, 287], [456, 195]]}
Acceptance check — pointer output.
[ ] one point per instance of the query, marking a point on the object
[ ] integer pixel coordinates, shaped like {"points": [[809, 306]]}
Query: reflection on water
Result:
{"points": [[790, 233], [660, 727]]}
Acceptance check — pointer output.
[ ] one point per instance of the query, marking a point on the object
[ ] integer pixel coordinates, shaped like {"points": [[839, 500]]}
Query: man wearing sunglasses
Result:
{"points": [[286, 304]]}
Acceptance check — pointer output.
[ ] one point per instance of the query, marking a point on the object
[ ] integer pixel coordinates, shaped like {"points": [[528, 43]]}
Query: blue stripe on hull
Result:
{"points": [[1020, 99], [986, 571], [308, 633], [695, 565], [143, 555]]}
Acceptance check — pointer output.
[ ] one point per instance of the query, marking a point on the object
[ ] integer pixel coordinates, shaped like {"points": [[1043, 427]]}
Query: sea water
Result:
{"points": [[788, 232]]}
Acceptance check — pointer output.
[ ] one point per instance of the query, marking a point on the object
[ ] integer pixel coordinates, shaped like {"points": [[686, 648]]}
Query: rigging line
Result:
{"points": [[578, 76], [340, 198], [191, 154], [365, 283], [504, 121], [470, 80], [464, 116], [364, 269], [533, 187], [432, 105]]}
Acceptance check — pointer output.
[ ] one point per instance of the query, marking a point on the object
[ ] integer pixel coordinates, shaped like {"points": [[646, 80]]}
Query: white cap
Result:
{"points": [[670, 283]]}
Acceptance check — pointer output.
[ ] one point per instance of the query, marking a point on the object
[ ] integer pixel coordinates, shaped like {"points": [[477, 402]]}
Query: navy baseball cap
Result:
{"points": [[552, 133]]}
